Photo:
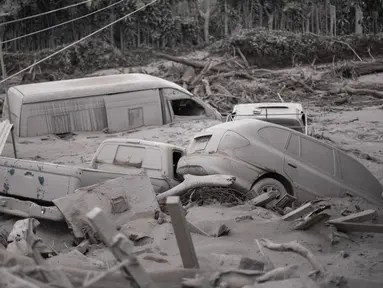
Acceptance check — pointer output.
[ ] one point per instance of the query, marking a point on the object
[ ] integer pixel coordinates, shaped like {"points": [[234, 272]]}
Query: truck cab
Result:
{"points": [[159, 160]]}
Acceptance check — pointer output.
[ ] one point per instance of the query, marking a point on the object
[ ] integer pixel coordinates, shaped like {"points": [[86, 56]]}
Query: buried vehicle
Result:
{"points": [[113, 102], [159, 160], [290, 115], [268, 157]]}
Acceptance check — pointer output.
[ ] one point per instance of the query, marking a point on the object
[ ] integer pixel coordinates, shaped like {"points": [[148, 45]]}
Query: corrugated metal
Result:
{"points": [[5, 128]]}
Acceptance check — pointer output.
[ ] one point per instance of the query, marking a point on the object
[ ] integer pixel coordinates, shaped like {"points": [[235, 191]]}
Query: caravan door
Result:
{"points": [[132, 110]]}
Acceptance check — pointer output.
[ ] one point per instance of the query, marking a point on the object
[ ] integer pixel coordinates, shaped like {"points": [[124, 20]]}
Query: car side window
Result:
{"points": [[293, 145], [275, 136], [317, 155]]}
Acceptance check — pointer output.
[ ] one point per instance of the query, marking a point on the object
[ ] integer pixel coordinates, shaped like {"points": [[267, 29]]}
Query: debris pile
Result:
{"points": [[123, 215]]}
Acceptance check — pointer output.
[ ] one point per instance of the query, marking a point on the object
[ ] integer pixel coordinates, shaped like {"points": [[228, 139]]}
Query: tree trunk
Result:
{"points": [[226, 21], [317, 19], [260, 9], [206, 17], [332, 20], [122, 39], [270, 20], [112, 19], [375, 21], [326, 3], [308, 22], [358, 20], [138, 34]]}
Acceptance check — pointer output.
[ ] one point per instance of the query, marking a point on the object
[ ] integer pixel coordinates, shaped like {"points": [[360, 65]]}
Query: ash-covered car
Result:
{"points": [[268, 157]]}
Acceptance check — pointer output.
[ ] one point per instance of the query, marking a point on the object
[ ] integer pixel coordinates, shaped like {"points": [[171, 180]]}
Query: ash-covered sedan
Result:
{"points": [[267, 157]]}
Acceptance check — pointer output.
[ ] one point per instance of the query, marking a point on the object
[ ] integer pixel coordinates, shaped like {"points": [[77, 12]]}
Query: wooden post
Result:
{"points": [[184, 240], [121, 248], [358, 20], [10, 121]]}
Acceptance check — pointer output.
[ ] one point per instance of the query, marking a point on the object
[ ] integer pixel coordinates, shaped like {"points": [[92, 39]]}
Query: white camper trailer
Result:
{"points": [[117, 102]]}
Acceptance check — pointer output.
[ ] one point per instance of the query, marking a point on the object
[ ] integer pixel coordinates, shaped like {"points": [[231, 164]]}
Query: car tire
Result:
{"points": [[266, 185]]}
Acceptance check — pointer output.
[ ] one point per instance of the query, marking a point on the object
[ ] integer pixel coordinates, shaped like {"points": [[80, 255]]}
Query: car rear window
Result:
{"points": [[231, 141], [199, 144], [275, 136]]}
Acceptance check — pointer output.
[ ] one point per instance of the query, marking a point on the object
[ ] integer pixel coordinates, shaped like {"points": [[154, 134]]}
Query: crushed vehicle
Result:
{"points": [[159, 160], [114, 102], [267, 157], [290, 115], [25, 183]]}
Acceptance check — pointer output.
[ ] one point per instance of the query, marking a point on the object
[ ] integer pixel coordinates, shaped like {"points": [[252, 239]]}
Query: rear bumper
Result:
{"points": [[201, 165]]}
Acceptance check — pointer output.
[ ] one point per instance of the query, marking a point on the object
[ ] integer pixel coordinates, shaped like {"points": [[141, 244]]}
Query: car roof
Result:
{"points": [[243, 126], [139, 141], [92, 86], [248, 107]]}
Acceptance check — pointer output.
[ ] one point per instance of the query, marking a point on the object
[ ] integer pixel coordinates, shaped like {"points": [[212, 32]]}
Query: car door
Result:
{"points": [[311, 167]]}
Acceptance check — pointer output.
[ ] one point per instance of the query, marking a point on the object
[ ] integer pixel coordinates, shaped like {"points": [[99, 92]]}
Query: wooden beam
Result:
{"points": [[358, 227], [362, 216], [299, 212], [264, 199], [183, 237]]}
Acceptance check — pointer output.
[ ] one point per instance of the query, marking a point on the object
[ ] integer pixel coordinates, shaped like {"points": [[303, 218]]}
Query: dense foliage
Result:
{"points": [[171, 23]]}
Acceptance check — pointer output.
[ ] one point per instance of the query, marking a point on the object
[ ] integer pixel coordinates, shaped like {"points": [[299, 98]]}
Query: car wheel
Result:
{"points": [[266, 185]]}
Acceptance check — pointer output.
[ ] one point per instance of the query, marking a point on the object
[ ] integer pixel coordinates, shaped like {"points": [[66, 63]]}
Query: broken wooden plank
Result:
{"points": [[121, 248], [192, 182], [123, 199], [182, 233], [285, 201], [358, 227], [310, 221], [299, 212], [362, 216], [264, 198]]}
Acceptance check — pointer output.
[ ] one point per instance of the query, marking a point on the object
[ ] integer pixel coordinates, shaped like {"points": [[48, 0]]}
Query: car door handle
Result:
{"points": [[292, 165]]}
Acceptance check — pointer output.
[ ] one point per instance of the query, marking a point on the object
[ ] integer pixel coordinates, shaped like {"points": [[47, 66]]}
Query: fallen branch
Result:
{"points": [[192, 182], [243, 58], [374, 93], [297, 248], [207, 87], [268, 263], [201, 74], [280, 273], [349, 46], [189, 62], [308, 88], [227, 74]]}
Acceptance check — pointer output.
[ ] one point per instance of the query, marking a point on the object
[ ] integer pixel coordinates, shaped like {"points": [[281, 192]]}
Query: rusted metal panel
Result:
{"points": [[5, 128]]}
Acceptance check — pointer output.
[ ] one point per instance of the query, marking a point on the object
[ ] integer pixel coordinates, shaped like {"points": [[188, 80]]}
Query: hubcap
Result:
{"points": [[268, 188]]}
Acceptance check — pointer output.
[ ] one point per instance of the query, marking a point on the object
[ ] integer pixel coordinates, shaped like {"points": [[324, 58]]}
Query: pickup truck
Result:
{"points": [[24, 182]]}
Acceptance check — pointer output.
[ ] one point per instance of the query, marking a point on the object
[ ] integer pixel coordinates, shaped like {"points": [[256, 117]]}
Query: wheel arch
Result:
{"points": [[285, 182]]}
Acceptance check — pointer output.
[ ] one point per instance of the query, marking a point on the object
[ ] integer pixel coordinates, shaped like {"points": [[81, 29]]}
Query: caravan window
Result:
{"points": [[187, 107]]}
